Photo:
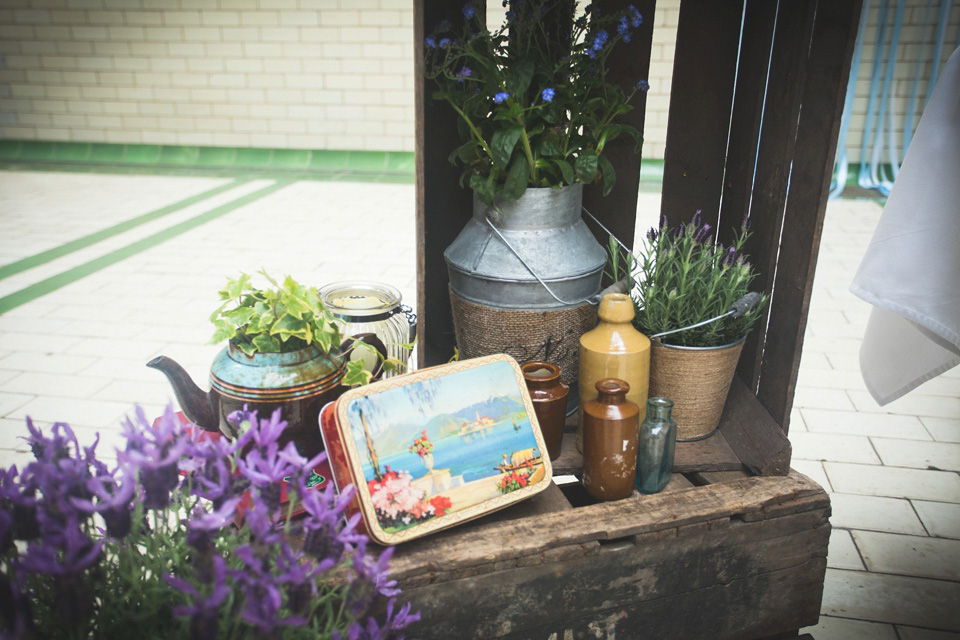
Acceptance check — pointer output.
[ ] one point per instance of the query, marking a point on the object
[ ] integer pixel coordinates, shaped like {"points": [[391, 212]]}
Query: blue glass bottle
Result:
{"points": [[658, 438]]}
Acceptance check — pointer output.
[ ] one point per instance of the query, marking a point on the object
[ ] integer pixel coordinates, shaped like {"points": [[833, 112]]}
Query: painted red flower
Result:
{"points": [[440, 505]]}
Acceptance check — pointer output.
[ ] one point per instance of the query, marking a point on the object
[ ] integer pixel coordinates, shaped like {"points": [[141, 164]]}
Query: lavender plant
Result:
{"points": [[683, 277], [150, 545], [536, 107]]}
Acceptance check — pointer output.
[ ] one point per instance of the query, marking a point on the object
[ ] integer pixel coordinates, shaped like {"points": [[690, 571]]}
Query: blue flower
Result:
{"points": [[463, 73], [430, 42], [623, 27], [635, 18], [500, 97], [643, 85], [547, 94], [444, 43], [599, 40], [468, 11]]}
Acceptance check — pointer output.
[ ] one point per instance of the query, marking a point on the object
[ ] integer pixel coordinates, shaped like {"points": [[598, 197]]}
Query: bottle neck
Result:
{"points": [[659, 408]]}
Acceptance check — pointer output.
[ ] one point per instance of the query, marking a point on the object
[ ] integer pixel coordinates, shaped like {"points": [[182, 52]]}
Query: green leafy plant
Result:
{"points": [[683, 277], [535, 105], [283, 319]]}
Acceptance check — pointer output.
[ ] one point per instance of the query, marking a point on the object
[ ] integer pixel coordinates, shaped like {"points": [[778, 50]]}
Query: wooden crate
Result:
{"points": [[720, 553]]}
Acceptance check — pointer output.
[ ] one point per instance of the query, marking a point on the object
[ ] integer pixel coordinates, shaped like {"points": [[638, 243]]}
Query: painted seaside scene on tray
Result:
{"points": [[443, 444]]}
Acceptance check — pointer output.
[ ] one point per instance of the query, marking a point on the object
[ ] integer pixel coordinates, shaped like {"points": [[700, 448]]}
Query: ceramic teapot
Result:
{"points": [[298, 382]]}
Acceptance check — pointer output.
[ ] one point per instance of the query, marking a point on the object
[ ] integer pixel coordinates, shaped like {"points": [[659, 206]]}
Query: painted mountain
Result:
{"points": [[400, 436]]}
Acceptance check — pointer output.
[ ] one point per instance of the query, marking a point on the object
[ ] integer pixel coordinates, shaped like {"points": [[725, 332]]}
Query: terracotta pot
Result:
{"points": [[549, 396], [610, 431], [697, 379]]}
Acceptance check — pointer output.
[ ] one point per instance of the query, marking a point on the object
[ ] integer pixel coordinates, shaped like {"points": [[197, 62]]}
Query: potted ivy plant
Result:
{"points": [[284, 350], [686, 285], [537, 111]]}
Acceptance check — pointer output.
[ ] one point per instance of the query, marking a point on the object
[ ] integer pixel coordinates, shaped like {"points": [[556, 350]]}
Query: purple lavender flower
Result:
{"points": [[547, 94], [697, 218], [114, 501], [729, 257], [500, 97], [204, 609], [702, 234], [652, 235], [468, 11], [156, 451], [635, 18], [62, 552]]}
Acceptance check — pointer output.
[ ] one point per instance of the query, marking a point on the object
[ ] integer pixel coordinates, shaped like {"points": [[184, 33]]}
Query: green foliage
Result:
{"points": [[683, 277], [535, 104], [278, 320]]}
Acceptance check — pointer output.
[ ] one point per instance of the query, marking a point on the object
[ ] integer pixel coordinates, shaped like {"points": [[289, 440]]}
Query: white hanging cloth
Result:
{"points": [[911, 271]]}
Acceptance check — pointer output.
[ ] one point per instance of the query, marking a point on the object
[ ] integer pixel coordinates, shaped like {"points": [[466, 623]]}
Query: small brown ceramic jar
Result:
{"points": [[549, 396], [610, 431]]}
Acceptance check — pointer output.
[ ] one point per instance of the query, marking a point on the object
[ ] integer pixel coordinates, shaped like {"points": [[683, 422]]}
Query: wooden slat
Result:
{"points": [[628, 64], [711, 454], [744, 580], [753, 434], [716, 477], [704, 68], [834, 36], [756, 39], [503, 541], [443, 208], [778, 137]]}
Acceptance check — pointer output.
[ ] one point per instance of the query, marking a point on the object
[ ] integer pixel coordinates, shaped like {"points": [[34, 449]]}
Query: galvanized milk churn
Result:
{"points": [[523, 275]]}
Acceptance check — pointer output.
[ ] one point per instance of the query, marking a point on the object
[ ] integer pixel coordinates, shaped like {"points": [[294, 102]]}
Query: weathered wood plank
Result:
{"points": [[500, 541], [753, 435], [744, 580], [677, 482], [716, 477], [704, 68], [758, 22], [711, 454], [828, 66], [778, 135], [628, 64]]}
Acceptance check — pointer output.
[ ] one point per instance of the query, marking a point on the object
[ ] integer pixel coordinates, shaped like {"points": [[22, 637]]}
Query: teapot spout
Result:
{"points": [[197, 405]]}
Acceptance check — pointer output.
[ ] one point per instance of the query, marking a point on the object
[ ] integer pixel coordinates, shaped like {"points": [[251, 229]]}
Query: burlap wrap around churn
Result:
{"points": [[552, 336], [697, 380]]}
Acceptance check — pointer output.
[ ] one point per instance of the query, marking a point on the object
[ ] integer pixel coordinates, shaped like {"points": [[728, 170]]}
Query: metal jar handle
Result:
{"points": [[617, 287]]}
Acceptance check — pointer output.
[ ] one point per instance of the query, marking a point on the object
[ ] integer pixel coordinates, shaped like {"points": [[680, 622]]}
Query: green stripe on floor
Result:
{"points": [[80, 243], [69, 276]]}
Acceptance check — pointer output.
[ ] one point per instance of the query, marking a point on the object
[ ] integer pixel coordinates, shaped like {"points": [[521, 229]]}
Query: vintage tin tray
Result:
{"points": [[435, 448]]}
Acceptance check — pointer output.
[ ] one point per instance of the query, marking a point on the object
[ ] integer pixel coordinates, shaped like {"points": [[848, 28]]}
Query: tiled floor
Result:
{"points": [[77, 353]]}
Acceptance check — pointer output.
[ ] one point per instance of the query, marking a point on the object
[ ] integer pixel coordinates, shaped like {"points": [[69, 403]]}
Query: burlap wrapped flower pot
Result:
{"points": [[697, 379]]}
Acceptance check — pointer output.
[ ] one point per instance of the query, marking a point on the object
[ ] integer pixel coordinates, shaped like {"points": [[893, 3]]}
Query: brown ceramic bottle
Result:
{"points": [[610, 432], [549, 396]]}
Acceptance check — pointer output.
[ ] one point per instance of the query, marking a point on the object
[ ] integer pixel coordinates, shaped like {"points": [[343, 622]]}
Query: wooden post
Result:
{"points": [[443, 207]]}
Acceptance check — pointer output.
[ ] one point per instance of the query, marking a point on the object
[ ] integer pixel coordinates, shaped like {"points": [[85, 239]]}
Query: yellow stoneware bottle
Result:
{"points": [[614, 349]]}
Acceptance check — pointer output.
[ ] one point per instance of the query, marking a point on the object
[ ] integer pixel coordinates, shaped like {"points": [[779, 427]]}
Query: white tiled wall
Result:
{"points": [[318, 74]]}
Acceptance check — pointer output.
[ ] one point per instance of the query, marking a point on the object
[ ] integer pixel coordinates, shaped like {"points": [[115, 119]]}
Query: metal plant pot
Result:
{"points": [[520, 276]]}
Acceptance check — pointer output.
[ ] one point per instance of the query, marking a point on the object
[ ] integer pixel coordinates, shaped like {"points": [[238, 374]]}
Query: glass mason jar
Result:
{"points": [[658, 436], [374, 307]]}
